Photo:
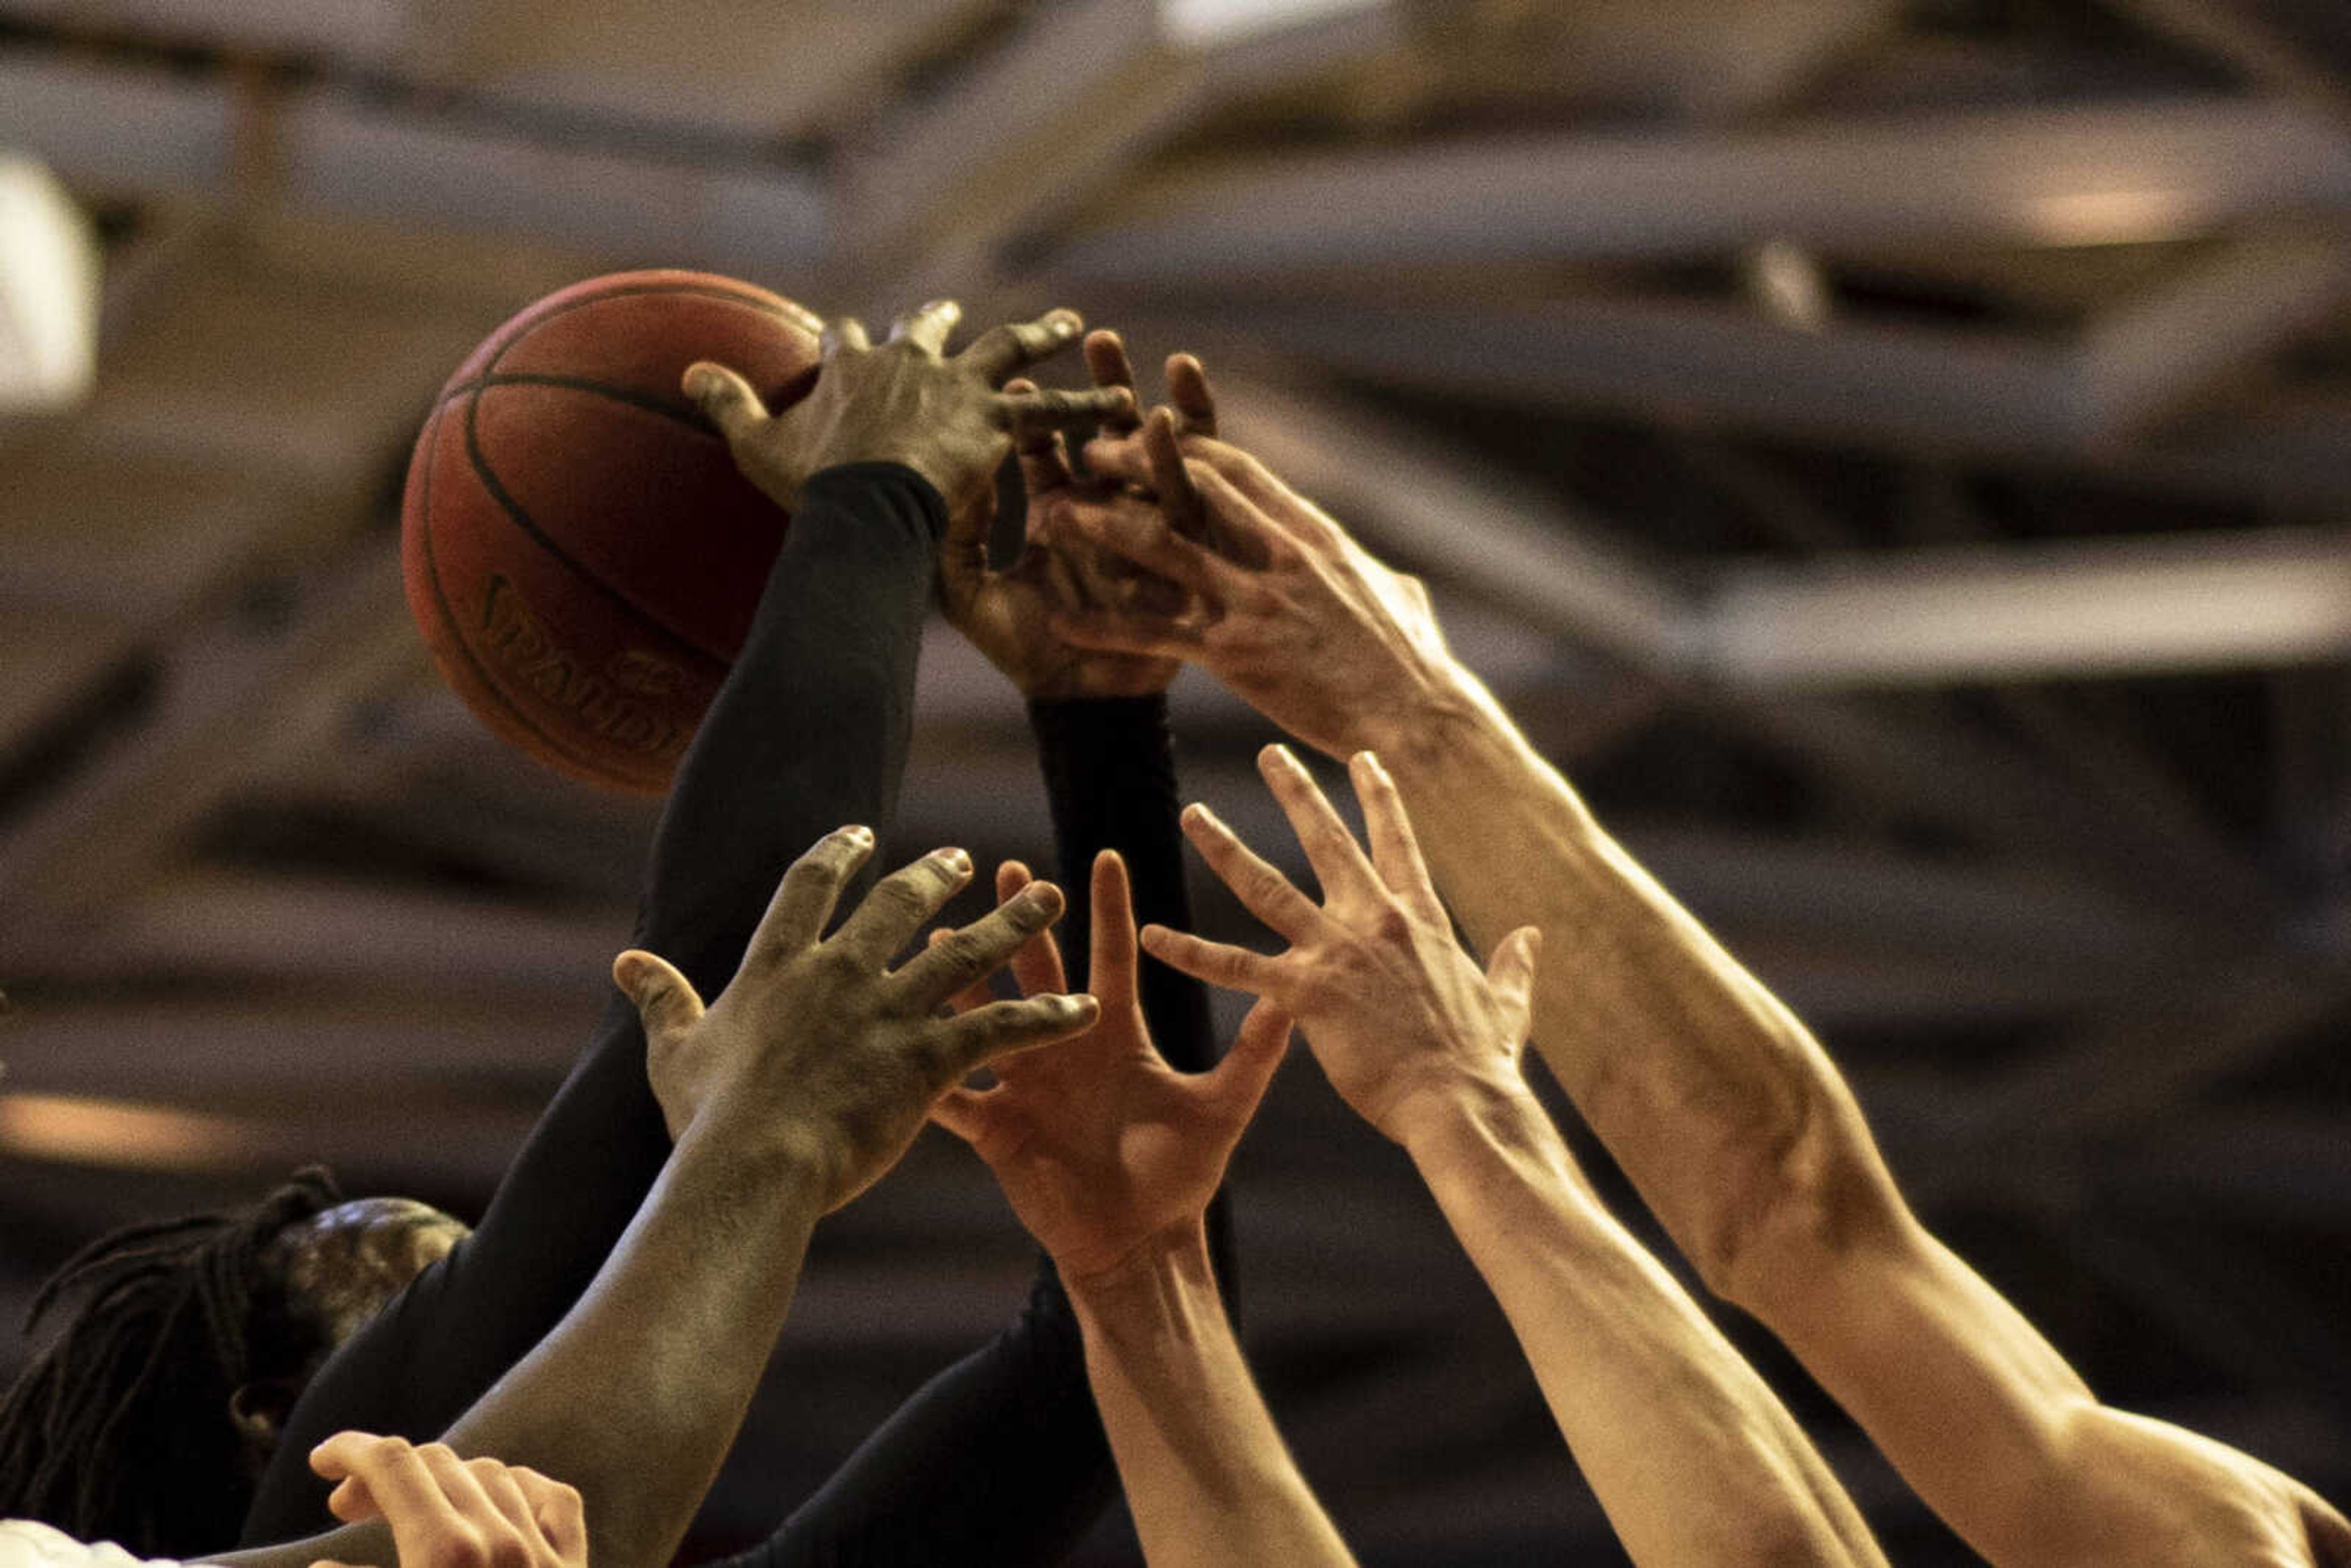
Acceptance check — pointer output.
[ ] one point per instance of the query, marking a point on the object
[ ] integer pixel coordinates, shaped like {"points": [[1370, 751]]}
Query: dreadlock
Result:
{"points": [[119, 1431]]}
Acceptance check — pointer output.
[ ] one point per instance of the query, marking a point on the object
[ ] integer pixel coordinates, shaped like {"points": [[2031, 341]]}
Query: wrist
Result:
{"points": [[1172, 1257], [770, 1154], [1461, 1126], [1427, 720]]}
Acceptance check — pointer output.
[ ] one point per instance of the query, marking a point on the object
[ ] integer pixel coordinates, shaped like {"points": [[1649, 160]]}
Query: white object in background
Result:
{"points": [[1206, 24], [49, 292]]}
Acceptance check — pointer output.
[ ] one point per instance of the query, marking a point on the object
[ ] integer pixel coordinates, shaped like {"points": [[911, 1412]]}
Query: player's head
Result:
{"points": [[147, 1420]]}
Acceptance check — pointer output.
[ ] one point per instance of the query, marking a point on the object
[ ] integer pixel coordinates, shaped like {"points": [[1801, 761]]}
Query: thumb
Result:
{"points": [[1511, 974], [1240, 1081], [726, 399], [666, 1000]]}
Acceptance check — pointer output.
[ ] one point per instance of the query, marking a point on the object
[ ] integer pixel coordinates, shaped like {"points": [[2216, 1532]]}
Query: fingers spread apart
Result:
{"points": [[901, 905], [1338, 861], [964, 957], [1263, 891], [1187, 389], [805, 899], [1001, 350], [1396, 849], [1061, 409], [843, 334], [1107, 362], [929, 327]]}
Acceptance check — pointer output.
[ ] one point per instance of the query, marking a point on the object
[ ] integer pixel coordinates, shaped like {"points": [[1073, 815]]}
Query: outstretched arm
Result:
{"points": [[1687, 1449], [1110, 1157], [1717, 1102], [809, 730], [795, 1090]]}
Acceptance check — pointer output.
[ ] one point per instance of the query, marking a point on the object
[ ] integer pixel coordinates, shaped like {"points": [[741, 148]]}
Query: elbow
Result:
{"points": [[1805, 1199]]}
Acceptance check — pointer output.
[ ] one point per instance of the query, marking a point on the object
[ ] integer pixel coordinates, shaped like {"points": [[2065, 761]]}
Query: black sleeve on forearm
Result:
{"points": [[809, 732], [1000, 1461], [1110, 776]]}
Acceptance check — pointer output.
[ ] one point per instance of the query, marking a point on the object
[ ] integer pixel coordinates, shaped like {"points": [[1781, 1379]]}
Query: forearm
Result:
{"points": [[636, 1396], [811, 728], [1690, 1454], [1207, 1478], [1712, 1095]]}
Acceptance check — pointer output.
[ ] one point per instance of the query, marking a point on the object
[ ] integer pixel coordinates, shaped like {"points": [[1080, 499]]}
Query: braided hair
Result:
{"points": [[121, 1430]]}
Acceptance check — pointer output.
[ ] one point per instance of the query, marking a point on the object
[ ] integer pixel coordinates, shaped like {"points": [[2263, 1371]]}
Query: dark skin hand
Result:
{"points": [[837, 1055], [950, 419], [1009, 615]]}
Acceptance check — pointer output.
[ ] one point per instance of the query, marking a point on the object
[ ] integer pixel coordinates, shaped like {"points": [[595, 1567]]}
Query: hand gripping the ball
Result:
{"points": [[949, 418]]}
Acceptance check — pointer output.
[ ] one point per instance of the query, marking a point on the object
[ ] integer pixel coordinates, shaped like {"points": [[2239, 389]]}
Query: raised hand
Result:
{"points": [[1400, 1018], [1008, 614], [817, 1043], [950, 419], [1102, 1148], [1283, 606], [448, 1512]]}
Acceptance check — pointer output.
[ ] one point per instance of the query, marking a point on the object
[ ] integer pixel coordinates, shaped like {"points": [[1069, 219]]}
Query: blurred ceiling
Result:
{"points": [[1893, 452]]}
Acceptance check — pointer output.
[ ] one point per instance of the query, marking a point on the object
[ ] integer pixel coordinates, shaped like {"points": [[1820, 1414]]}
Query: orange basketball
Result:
{"points": [[578, 547]]}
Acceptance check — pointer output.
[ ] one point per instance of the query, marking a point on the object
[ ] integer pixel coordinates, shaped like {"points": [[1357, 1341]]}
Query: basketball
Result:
{"points": [[578, 548]]}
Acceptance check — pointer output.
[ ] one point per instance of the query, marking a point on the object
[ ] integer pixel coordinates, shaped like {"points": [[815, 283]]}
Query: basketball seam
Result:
{"points": [[683, 418], [449, 617], [700, 290], [522, 520]]}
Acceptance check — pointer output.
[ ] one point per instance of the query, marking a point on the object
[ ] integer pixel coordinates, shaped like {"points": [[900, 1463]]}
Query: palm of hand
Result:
{"points": [[1101, 1146], [1402, 1010]]}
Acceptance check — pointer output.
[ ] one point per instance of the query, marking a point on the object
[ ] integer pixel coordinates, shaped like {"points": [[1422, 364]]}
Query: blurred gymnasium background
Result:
{"points": [[1896, 453]]}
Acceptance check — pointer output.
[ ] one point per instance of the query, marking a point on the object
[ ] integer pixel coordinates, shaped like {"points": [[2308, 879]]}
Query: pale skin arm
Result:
{"points": [[1715, 1099], [1687, 1449], [796, 1089], [1110, 1157]]}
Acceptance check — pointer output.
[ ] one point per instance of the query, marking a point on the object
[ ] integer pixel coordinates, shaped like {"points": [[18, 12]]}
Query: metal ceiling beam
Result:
{"points": [[2036, 177], [115, 129], [76, 852], [1996, 396], [1414, 501], [2151, 356], [933, 191], [2031, 611]]}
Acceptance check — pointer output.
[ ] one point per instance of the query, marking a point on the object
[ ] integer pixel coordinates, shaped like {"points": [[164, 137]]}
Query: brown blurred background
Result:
{"points": [[1895, 454]]}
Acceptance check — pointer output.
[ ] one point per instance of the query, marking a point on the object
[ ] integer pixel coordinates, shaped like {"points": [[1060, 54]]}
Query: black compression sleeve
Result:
{"points": [[809, 732], [1110, 775], [1000, 1460]]}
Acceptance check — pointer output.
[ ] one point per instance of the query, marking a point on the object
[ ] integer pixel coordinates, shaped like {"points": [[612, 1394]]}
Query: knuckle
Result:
{"points": [[457, 1546], [507, 1547], [965, 955]]}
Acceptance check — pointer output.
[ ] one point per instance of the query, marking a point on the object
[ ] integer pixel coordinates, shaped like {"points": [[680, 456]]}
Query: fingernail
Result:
{"points": [[956, 861], [1038, 896], [698, 384], [862, 836], [1063, 324], [1071, 1007]]}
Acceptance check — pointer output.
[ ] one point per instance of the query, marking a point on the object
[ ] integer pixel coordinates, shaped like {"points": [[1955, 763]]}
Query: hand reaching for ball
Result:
{"points": [[947, 418]]}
